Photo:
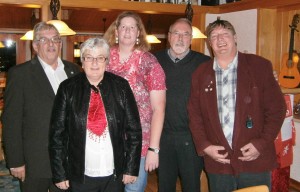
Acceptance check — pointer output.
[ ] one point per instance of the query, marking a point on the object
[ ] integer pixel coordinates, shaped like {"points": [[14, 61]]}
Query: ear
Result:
{"points": [[35, 46], [235, 38], [169, 36]]}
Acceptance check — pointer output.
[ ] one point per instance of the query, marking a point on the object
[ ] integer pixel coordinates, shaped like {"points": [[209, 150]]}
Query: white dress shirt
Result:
{"points": [[56, 76]]}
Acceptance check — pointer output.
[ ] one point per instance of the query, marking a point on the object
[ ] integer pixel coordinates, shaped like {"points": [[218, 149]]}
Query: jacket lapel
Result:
{"points": [[210, 93], [41, 78], [245, 83], [69, 71]]}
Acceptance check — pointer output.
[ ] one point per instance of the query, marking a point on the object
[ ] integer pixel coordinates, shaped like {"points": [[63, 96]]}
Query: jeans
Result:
{"points": [[228, 183], [140, 184]]}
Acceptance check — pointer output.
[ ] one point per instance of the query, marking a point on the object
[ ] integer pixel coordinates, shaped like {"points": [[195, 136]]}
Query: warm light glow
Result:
{"points": [[28, 35], [76, 52], [62, 27], [197, 34], [295, 58], [9, 43], [152, 39], [1, 44]]}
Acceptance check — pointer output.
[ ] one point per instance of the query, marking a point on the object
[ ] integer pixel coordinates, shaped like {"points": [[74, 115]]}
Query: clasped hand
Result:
{"points": [[249, 152]]}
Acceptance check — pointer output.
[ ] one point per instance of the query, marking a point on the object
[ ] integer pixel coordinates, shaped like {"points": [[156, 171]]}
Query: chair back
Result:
{"points": [[259, 188]]}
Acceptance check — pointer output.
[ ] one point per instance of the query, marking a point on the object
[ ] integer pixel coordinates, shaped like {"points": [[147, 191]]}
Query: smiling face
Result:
{"points": [[180, 38], [49, 49], [127, 31], [223, 42], [93, 63]]}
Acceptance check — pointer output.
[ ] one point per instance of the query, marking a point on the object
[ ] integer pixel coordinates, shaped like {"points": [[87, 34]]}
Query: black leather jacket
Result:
{"points": [[68, 127]]}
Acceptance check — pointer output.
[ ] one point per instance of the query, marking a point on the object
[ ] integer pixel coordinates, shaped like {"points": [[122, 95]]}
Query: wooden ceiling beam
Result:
{"points": [[255, 4]]}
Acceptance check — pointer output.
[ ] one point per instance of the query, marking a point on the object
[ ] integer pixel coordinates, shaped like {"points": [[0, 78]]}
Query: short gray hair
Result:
{"points": [[94, 43], [180, 20], [42, 26]]}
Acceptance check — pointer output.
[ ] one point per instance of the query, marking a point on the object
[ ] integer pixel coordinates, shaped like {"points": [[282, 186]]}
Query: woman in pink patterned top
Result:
{"points": [[129, 58]]}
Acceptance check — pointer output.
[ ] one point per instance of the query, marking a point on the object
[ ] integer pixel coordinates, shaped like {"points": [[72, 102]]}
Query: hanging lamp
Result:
{"points": [[150, 37], [28, 35], [61, 26], [189, 13], [1, 45]]}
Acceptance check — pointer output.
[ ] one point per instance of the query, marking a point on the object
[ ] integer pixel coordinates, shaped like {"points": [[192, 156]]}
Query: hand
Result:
{"points": [[152, 161], [249, 152], [213, 152], [127, 179], [64, 185], [18, 172]]}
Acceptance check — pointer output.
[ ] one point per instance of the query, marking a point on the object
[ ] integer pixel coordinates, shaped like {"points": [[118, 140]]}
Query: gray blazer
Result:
{"points": [[26, 116]]}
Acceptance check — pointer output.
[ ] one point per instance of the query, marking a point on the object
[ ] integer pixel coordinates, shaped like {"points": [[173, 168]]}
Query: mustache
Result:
{"points": [[179, 44]]}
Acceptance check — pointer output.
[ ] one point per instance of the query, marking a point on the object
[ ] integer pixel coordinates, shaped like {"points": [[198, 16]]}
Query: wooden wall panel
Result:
{"points": [[284, 19], [266, 34]]}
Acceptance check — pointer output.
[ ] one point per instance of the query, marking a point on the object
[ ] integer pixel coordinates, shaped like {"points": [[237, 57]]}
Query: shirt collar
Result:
{"points": [[47, 66], [233, 63], [173, 58]]}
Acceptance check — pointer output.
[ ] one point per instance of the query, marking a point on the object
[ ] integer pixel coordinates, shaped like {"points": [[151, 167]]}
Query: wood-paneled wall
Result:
{"points": [[284, 19]]}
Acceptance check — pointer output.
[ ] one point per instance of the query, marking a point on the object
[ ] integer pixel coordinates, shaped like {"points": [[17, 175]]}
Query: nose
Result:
{"points": [[220, 36], [50, 42], [127, 29], [94, 61]]}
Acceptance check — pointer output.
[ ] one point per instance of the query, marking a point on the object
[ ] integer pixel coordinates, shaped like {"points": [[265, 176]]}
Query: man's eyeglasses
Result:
{"points": [[177, 34], [100, 59], [44, 40]]}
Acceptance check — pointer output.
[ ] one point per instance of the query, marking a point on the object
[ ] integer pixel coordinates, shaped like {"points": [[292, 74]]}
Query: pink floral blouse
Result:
{"points": [[144, 74]]}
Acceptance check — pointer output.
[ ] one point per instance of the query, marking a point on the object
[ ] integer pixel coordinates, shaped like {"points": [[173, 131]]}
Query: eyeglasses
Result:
{"points": [[100, 59], [177, 34], [45, 40], [130, 28]]}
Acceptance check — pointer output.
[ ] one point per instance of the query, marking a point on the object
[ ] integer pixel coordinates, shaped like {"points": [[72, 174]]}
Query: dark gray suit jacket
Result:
{"points": [[26, 116]]}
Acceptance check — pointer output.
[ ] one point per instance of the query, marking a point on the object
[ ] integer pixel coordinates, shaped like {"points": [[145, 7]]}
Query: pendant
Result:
{"points": [[249, 122]]}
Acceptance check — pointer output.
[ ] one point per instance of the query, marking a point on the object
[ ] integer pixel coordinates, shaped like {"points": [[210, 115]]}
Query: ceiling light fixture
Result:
{"points": [[61, 26], [189, 13], [28, 35], [150, 37], [1, 45]]}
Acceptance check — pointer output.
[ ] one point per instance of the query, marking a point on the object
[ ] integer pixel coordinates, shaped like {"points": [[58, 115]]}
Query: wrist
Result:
{"points": [[154, 149]]}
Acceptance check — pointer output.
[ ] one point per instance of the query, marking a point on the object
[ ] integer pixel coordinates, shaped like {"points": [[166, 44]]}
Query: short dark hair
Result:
{"points": [[219, 23]]}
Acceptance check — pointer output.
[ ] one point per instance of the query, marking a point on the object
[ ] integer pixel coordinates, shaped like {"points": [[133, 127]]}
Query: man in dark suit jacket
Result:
{"points": [[236, 110], [28, 98]]}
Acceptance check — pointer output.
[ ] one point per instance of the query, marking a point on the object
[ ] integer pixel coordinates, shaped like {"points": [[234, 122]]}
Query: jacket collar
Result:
{"points": [[39, 74]]}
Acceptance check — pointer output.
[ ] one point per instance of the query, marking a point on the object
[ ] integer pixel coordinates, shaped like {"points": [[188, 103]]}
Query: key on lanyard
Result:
{"points": [[249, 122]]}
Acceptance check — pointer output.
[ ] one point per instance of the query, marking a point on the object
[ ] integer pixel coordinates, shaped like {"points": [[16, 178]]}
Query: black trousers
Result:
{"points": [[178, 157], [99, 184], [32, 184]]}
